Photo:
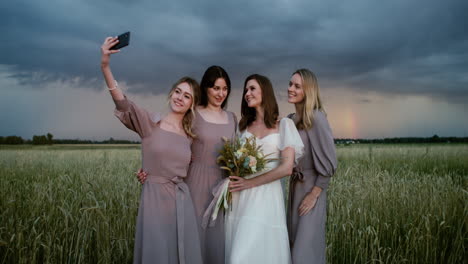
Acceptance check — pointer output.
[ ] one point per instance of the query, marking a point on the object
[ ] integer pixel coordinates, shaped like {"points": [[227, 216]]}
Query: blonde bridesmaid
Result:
{"points": [[309, 181], [166, 229]]}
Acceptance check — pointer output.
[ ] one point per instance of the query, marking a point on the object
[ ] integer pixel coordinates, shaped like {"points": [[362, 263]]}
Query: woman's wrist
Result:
{"points": [[105, 59], [253, 182], [316, 191]]}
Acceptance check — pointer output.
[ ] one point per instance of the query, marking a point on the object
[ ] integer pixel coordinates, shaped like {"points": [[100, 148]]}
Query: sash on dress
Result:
{"points": [[181, 189]]}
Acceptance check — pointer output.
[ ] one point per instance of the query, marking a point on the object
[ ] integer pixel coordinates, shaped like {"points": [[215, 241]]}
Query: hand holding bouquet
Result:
{"points": [[239, 157]]}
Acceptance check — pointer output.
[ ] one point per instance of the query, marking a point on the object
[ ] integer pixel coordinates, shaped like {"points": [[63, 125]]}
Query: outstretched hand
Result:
{"points": [[238, 184]]}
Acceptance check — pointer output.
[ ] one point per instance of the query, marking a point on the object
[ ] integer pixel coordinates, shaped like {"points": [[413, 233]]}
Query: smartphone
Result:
{"points": [[124, 40]]}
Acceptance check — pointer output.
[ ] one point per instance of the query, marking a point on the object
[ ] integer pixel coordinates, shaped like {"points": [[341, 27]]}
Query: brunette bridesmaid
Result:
{"points": [[309, 181], [166, 230], [212, 122]]}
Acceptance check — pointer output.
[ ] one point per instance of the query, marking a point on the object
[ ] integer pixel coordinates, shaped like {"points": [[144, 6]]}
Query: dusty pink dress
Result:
{"points": [[204, 174], [166, 230]]}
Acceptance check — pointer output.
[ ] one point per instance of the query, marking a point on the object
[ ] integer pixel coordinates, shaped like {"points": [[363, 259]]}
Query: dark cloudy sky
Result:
{"points": [[385, 68]]}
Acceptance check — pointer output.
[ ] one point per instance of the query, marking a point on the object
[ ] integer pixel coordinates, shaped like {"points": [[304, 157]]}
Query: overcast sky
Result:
{"points": [[395, 68]]}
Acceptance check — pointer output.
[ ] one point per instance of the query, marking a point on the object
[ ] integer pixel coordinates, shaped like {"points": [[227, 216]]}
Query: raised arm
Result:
{"points": [[133, 117], [106, 52]]}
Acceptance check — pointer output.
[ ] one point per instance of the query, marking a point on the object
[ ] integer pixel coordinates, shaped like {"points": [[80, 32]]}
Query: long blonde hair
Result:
{"points": [[190, 114], [311, 100]]}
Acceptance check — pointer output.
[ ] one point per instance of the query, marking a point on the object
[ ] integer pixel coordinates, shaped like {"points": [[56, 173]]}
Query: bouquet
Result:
{"points": [[242, 157], [239, 157]]}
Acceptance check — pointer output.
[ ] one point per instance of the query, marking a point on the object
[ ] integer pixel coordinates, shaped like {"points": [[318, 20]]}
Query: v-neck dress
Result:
{"points": [[203, 176], [166, 229]]}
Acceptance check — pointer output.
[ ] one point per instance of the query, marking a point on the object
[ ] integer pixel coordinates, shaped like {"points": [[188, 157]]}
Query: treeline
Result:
{"points": [[403, 140], [108, 141], [49, 140]]}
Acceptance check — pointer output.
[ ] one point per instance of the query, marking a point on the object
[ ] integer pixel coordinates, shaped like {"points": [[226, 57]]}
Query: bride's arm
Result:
{"points": [[284, 169]]}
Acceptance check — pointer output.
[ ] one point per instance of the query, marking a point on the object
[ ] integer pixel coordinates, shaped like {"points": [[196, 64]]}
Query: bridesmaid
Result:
{"points": [[211, 123], [166, 230], [309, 181]]}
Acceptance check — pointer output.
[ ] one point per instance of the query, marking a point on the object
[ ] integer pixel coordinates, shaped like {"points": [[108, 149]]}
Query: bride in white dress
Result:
{"points": [[255, 226]]}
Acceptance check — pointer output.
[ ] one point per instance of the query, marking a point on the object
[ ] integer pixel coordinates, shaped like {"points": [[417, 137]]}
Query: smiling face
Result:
{"points": [[258, 98], [181, 98], [218, 93], [295, 89], [253, 94]]}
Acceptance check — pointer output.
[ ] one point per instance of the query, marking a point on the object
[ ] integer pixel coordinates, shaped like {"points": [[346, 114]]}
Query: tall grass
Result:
{"points": [[386, 204], [67, 206], [399, 204]]}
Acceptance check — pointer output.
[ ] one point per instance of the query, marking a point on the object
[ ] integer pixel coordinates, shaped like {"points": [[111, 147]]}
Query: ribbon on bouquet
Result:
{"points": [[220, 193]]}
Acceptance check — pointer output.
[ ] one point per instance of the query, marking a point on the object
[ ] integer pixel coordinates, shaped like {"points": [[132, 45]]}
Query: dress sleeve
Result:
{"points": [[289, 137], [323, 149], [135, 118]]}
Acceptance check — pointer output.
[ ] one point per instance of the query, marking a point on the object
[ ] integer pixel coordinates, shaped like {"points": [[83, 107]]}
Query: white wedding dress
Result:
{"points": [[255, 227]]}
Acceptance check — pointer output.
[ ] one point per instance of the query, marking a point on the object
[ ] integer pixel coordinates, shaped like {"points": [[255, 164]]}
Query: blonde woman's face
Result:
{"points": [[182, 98], [295, 89]]}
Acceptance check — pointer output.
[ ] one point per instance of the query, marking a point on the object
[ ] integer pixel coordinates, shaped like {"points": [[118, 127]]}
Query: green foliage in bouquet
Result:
{"points": [[242, 157]]}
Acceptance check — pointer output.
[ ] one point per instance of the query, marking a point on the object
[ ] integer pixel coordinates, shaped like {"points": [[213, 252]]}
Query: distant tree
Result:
{"points": [[13, 140], [50, 138], [35, 140], [39, 140], [435, 138]]}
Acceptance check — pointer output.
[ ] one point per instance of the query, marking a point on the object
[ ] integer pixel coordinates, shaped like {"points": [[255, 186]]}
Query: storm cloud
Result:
{"points": [[397, 47]]}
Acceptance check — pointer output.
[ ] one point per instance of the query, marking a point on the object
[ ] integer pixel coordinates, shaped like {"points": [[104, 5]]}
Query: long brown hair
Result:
{"points": [[311, 100], [190, 114], [212, 74], [269, 104]]}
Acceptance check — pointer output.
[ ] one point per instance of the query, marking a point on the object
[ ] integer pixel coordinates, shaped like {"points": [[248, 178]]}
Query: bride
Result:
{"points": [[256, 226]]}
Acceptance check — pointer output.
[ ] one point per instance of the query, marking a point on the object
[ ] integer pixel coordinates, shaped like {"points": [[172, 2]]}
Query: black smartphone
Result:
{"points": [[124, 40]]}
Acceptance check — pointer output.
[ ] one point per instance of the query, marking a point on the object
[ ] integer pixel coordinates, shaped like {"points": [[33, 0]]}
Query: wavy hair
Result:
{"points": [[311, 100], [269, 104], [190, 114]]}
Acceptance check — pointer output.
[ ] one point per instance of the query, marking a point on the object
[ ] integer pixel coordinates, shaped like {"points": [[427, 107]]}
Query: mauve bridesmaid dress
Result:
{"points": [[307, 233], [166, 229], [204, 174]]}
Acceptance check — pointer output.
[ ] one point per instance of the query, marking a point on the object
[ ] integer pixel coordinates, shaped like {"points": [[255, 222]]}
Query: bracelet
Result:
{"points": [[115, 87]]}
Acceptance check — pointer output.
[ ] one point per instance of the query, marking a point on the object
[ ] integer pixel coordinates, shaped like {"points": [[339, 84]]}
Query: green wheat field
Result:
{"points": [[386, 204]]}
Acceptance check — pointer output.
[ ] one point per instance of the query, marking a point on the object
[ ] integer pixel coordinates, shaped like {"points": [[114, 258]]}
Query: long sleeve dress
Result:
{"points": [[204, 174], [307, 233], [166, 229]]}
